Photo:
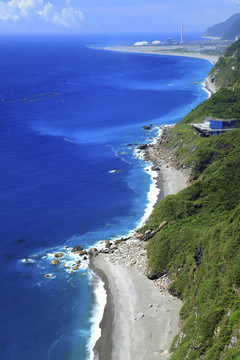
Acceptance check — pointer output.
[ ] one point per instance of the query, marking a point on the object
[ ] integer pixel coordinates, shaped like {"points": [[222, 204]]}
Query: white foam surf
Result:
{"points": [[100, 300]]}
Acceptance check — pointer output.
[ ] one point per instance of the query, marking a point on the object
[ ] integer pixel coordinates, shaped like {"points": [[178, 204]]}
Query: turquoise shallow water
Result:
{"points": [[67, 115]]}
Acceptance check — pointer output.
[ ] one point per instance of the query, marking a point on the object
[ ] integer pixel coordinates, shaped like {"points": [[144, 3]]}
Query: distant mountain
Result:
{"points": [[226, 30]]}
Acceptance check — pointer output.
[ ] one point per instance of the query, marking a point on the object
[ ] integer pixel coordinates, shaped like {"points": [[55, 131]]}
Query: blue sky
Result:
{"points": [[112, 16]]}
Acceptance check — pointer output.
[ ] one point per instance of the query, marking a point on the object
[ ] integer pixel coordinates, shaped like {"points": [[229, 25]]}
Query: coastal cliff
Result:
{"points": [[199, 247]]}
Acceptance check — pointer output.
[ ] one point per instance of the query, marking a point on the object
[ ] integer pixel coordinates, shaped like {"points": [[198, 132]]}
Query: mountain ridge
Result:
{"points": [[226, 30]]}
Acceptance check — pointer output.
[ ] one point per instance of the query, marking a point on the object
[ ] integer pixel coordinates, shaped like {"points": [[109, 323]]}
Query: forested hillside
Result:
{"points": [[200, 246]]}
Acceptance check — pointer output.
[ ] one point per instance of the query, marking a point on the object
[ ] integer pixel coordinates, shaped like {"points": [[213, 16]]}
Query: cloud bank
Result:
{"points": [[32, 11]]}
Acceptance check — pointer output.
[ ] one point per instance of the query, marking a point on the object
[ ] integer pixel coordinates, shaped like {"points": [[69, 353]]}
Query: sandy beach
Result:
{"points": [[141, 318], [166, 50]]}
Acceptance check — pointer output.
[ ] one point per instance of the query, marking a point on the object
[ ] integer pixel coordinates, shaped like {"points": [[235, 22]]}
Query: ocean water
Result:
{"points": [[68, 113]]}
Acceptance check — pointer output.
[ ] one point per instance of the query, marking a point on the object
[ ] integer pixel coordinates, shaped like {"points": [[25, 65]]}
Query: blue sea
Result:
{"points": [[68, 113]]}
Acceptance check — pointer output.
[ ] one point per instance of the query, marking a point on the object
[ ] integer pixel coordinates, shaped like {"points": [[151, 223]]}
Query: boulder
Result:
{"points": [[59, 255], [76, 248], [93, 249], [54, 262], [93, 252], [117, 242], [107, 244], [75, 267], [142, 147], [146, 127]]}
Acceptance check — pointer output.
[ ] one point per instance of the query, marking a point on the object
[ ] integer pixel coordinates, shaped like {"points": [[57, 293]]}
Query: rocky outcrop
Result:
{"points": [[59, 255], [149, 234], [93, 252], [133, 252], [76, 249], [54, 262], [142, 147]]}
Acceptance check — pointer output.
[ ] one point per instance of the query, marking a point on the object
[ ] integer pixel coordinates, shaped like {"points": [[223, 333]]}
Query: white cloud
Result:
{"points": [[136, 10], [35, 10], [67, 17]]}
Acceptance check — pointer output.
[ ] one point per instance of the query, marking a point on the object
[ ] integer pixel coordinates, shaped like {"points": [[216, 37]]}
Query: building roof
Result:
{"points": [[215, 119]]}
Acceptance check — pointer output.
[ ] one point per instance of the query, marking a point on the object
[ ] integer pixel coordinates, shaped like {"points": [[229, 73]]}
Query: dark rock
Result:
{"points": [[76, 249], [146, 127], [117, 242], [142, 147], [93, 252], [151, 275], [198, 255], [59, 255]]}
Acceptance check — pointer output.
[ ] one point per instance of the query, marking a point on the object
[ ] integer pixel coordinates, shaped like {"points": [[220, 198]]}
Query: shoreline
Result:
{"points": [[122, 273], [123, 270], [163, 50]]}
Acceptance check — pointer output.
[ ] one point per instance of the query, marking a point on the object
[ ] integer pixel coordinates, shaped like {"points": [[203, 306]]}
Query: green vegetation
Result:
{"points": [[200, 246], [226, 72]]}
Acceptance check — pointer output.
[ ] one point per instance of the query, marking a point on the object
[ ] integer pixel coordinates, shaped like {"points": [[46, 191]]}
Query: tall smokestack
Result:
{"points": [[181, 33]]}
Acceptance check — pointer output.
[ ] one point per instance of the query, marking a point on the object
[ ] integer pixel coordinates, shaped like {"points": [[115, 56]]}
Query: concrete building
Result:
{"points": [[213, 126]]}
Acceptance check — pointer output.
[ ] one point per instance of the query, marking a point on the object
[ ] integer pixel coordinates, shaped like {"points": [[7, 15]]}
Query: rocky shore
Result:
{"points": [[141, 317]]}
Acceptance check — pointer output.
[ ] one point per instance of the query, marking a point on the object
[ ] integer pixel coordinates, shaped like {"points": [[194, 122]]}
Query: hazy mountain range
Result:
{"points": [[227, 30]]}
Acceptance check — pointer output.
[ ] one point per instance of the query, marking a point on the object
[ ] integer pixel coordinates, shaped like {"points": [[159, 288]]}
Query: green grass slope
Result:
{"points": [[226, 72], [200, 245]]}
